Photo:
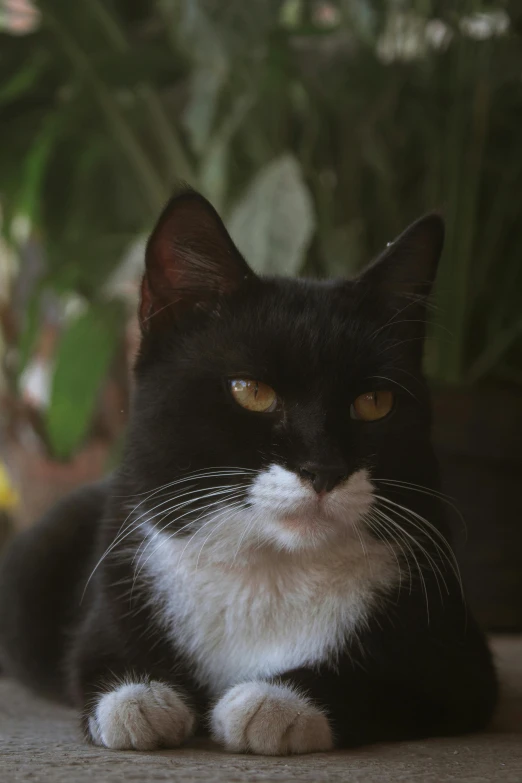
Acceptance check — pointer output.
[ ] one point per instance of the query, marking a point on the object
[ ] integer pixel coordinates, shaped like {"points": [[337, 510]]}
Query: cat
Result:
{"points": [[271, 561]]}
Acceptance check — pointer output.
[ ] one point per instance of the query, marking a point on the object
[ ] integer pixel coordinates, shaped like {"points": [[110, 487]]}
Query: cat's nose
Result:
{"points": [[323, 477]]}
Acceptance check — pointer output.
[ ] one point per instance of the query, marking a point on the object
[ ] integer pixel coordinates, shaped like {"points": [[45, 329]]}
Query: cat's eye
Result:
{"points": [[253, 395], [372, 406]]}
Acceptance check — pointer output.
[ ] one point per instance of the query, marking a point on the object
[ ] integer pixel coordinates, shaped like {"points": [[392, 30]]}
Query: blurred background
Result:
{"points": [[319, 129]]}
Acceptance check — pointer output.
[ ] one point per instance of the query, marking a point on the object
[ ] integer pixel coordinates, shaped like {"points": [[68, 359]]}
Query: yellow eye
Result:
{"points": [[372, 406], [254, 395]]}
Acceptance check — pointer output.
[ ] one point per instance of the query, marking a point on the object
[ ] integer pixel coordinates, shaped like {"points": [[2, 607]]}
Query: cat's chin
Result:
{"points": [[305, 530], [295, 535]]}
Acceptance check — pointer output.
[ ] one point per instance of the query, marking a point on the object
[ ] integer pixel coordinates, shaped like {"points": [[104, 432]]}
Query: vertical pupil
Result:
{"points": [[375, 398], [256, 389]]}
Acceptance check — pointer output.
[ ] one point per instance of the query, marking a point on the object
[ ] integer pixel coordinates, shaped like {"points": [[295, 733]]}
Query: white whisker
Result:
{"points": [[225, 510], [135, 524], [216, 529], [193, 476], [432, 562], [447, 552], [216, 492], [390, 380], [425, 491], [397, 527], [373, 526], [210, 506]]}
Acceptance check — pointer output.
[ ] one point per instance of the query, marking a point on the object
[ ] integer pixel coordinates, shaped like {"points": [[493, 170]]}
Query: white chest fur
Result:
{"points": [[268, 611]]}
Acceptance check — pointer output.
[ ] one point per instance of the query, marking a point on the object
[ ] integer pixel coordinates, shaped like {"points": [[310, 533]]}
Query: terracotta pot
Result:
{"points": [[478, 436]]}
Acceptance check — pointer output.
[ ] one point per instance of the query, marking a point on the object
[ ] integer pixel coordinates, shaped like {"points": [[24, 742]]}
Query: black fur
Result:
{"points": [[206, 318]]}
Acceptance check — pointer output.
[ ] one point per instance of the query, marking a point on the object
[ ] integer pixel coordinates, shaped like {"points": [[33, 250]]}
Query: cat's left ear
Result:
{"points": [[408, 266], [191, 263]]}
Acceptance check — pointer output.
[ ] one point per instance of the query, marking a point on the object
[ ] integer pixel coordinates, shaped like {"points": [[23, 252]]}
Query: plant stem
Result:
{"points": [[153, 187], [464, 158], [493, 352], [178, 164]]}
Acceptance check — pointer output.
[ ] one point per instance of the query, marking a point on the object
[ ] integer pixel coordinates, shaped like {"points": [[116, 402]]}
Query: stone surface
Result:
{"points": [[40, 743]]}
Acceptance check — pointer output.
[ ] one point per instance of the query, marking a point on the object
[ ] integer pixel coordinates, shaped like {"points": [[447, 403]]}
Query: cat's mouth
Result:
{"points": [[315, 508], [296, 516]]}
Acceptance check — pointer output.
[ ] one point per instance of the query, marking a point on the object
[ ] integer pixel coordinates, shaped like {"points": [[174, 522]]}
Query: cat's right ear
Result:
{"points": [[191, 262]]}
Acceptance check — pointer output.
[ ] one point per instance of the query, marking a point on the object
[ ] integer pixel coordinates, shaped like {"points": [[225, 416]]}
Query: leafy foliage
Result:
{"points": [[273, 222], [83, 357], [320, 128]]}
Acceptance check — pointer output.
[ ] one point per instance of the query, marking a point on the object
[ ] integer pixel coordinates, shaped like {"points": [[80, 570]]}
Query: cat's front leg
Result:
{"points": [[139, 715], [270, 719], [128, 703]]}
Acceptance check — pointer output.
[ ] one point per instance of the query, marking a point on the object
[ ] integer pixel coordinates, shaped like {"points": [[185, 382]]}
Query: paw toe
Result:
{"points": [[269, 719], [141, 716]]}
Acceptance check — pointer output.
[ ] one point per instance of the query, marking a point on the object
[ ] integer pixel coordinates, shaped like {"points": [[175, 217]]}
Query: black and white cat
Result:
{"points": [[271, 560]]}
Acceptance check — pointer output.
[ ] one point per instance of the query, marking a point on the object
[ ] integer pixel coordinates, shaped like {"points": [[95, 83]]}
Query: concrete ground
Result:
{"points": [[40, 742]]}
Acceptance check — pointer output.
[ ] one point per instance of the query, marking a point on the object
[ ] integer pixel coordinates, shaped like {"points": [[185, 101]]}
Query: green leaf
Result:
{"points": [[36, 164], [214, 165], [274, 221], [291, 13], [83, 358], [205, 87], [199, 37], [23, 79]]}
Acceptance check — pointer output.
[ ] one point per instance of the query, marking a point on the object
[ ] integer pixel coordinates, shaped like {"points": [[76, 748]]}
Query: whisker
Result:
{"points": [[359, 536], [426, 491], [399, 540], [414, 321], [191, 522], [209, 521], [433, 564], [215, 530], [447, 553], [193, 475], [390, 380], [395, 344], [135, 524], [216, 492], [371, 524], [213, 517], [392, 321], [247, 531], [138, 568], [395, 526]]}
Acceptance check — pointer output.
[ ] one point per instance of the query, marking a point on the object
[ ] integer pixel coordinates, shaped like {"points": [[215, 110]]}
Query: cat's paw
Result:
{"points": [[269, 719], [140, 716]]}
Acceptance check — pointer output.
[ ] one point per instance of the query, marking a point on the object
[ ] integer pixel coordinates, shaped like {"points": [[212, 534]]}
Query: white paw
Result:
{"points": [[141, 716], [270, 719]]}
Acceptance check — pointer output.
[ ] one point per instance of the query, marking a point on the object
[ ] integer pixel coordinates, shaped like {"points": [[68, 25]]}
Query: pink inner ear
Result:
{"points": [[190, 260], [156, 305]]}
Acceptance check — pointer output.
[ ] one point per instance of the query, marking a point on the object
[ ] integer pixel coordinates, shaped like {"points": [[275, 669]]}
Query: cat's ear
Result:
{"points": [[408, 266], [190, 262]]}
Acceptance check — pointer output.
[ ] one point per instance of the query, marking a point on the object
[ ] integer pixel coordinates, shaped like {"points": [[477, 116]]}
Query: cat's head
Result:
{"points": [[273, 407]]}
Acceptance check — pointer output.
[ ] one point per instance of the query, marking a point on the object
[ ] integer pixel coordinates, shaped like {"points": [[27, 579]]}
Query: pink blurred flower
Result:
{"points": [[19, 17]]}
